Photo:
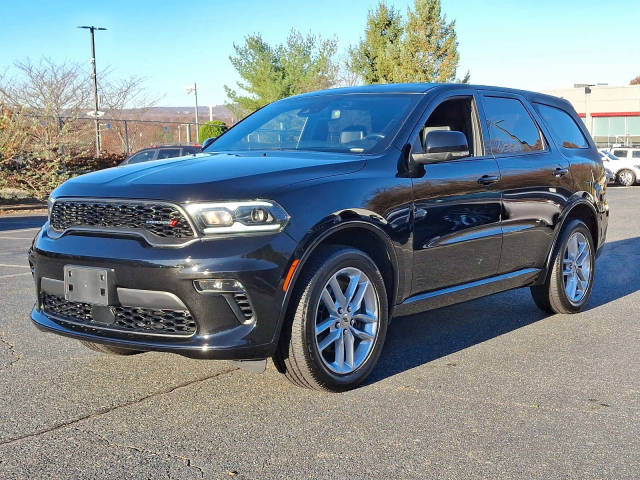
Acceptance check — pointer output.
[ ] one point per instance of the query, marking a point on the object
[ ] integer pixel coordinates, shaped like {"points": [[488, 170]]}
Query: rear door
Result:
{"points": [[536, 183], [457, 234]]}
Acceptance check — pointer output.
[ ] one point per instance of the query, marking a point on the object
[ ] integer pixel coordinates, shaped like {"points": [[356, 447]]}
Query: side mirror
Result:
{"points": [[442, 145], [208, 142]]}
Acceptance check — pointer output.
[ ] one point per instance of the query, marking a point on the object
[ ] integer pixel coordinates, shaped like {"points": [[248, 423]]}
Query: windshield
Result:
{"points": [[355, 123]]}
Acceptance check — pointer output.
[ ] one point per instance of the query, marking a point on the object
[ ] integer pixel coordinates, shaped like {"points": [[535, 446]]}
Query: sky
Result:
{"points": [[534, 45]]}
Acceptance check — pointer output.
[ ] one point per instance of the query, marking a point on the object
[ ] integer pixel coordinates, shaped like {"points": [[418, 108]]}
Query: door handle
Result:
{"points": [[488, 179], [559, 172]]}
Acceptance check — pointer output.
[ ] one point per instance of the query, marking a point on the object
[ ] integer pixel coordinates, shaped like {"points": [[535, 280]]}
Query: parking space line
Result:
{"points": [[16, 238], [15, 275], [11, 265]]}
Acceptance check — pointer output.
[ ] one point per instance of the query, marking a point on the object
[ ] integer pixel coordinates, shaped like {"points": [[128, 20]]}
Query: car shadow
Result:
{"points": [[418, 339], [18, 222]]}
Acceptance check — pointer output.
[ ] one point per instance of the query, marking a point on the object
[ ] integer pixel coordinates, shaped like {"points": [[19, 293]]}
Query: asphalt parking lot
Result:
{"points": [[492, 388]]}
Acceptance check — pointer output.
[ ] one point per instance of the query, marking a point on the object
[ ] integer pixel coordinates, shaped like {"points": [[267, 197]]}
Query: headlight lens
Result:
{"points": [[256, 216], [49, 205]]}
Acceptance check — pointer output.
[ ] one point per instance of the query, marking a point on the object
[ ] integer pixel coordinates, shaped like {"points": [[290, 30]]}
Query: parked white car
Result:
{"points": [[622, 164]]}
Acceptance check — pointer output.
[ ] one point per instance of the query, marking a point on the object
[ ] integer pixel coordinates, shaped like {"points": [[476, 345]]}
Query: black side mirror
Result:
{"points": [[208, 142], [442, 145]]}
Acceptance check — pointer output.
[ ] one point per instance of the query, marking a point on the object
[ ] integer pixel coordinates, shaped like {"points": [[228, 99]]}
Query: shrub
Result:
{"points": [[211, 129]]}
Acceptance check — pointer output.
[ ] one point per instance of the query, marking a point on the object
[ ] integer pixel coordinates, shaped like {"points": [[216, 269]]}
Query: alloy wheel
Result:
{"points": [[576, 267], [346, 323]]}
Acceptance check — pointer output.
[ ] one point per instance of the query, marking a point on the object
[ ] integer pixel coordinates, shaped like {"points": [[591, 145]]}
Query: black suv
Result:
{"points": [[305, 228]]}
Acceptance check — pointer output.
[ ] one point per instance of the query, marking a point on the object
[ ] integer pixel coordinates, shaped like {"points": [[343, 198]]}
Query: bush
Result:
{"points": [[211, 129]]}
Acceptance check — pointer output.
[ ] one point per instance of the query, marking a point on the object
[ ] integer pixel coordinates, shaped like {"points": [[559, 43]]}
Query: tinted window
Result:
{"points": [[511, 128], [142, 157], [635, 154], [168, 153], [620, 153], [563, 128], [356, 123]]}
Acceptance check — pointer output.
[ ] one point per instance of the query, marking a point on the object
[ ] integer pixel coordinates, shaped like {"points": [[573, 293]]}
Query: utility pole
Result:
{"points": [[94, 76], [189, 89]]}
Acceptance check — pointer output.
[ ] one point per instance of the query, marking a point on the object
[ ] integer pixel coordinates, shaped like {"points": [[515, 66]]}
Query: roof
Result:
{"points": [[424, 87]]}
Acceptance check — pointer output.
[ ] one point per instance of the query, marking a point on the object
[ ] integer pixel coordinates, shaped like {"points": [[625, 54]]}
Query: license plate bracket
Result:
{"points": [[89, 285]]}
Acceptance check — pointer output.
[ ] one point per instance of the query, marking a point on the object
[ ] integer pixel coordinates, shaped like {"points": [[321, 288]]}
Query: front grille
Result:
{"points": [[159, 219], [124, 319]]}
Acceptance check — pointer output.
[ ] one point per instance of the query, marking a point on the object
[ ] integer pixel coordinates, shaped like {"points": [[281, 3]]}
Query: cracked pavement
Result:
{"points": [[487, 389]]}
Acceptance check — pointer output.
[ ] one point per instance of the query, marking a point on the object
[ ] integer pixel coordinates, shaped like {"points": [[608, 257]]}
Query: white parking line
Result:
{"points": [[15, 275], [16, 238], [16, 266]]}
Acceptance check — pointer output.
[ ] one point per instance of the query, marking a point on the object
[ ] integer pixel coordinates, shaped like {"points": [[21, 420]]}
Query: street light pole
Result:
{"points": [[194, 88], [94, 76]]}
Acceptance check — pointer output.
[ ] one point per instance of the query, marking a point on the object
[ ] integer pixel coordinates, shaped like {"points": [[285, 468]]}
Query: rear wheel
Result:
{"points": [[568, 285], [338, 321], [98, 347], [626, 178]]}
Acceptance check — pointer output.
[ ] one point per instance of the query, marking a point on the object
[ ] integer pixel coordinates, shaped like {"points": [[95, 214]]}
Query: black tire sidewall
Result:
{"points": [[348, 257]]}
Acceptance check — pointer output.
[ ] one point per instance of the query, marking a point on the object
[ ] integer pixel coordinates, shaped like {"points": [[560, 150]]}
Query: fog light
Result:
{"points": [[218, 285]]}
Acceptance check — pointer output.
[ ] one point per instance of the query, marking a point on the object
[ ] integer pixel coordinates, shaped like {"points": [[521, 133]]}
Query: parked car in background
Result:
{"points": [[622, 164], [161, 151], [299, 233]]}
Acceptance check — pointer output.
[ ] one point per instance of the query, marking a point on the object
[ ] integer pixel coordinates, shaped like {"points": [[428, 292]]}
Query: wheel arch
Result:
{"points": [[581, 209], [355, 233]]}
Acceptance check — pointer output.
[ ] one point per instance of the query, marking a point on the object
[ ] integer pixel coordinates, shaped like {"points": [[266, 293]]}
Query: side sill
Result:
{"points": [[466, 291]]}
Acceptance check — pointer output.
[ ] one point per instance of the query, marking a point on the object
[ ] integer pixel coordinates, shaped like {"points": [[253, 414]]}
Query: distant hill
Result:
{"points": [[180, 114]]}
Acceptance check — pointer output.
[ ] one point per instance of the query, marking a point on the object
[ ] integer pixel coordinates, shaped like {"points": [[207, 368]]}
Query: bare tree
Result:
{"points": [[635, 81], [119, 98]]}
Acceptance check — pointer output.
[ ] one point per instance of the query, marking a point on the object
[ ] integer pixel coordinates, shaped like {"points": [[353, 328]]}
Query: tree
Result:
{"points": [[300, 65], [117, 98], [211, 129], [635, 81], [374, 59], [424, 48]]}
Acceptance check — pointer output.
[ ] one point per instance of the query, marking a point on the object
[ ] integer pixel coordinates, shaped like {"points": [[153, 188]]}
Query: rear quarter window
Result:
{"points": [[563, 128]]}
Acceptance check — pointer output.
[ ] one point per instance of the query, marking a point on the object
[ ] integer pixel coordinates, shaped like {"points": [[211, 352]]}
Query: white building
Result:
{"points": [[611, 114]]}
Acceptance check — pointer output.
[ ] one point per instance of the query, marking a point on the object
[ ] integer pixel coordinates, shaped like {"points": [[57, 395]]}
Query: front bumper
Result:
{"points": [[257, 262]]}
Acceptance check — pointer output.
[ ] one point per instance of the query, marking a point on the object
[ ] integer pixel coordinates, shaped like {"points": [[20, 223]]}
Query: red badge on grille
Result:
{"points": [[173, 223]]}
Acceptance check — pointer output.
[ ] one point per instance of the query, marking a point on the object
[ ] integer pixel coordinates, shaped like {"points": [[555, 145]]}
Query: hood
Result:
{"points": [[210, 176]]}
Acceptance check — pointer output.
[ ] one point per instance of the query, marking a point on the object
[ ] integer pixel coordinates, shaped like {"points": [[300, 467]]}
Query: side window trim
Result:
{"points": [[525, 104], [579, 125]]}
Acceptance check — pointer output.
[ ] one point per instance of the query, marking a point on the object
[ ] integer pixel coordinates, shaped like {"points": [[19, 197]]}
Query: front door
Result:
{"points": [[457, 233]]}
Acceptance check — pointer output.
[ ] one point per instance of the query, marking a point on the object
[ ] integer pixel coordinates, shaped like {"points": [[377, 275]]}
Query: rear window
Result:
{"points": [[620, 153], [563, 128], [511, 127], [635, 154]]}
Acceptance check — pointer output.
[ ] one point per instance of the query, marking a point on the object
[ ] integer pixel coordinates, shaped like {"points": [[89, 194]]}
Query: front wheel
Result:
{"points": [[338, 321], [568, 285]]}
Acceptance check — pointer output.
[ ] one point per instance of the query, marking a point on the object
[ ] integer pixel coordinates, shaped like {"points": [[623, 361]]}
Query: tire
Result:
{"points": [[347, 344], [98, 347], [626, 177], [553, 296]]}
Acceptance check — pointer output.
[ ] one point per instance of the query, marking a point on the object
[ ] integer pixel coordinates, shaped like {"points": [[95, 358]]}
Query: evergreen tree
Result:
{"points": [[375, 57], [424, 48], [302, 64]]}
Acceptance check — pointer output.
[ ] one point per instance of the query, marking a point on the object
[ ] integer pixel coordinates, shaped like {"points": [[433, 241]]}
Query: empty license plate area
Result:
{"points": [[89, 285]]}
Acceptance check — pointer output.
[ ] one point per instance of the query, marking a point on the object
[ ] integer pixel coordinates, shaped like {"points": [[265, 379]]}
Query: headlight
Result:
{"points": [[257, 216], [49, 205]]}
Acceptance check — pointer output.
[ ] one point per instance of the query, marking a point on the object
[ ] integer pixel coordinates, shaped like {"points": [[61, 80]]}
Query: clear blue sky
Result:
{"points": [[527, 44]]}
